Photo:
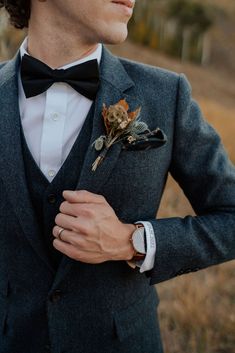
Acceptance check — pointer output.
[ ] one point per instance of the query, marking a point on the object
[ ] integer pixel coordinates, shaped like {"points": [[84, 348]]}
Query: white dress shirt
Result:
{"points": [[53, 120], [51, 124]]}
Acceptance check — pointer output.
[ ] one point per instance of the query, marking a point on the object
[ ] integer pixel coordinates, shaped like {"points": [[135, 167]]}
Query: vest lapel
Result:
{"points": [[12, 165]]}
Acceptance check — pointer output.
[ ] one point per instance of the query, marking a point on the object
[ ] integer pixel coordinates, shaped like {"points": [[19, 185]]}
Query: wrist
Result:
{"points": [[138, 240], [130, 248], [127, 252]]}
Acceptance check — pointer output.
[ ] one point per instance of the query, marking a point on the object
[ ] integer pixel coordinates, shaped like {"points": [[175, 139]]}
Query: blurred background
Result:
{"points": [[197, 311]]}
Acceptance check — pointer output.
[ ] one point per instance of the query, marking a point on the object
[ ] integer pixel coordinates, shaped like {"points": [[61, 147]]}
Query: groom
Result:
{"points": [[77, 268]]}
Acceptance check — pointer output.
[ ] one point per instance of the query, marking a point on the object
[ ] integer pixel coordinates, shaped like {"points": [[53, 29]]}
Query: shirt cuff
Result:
{"points": [[148, 263]]}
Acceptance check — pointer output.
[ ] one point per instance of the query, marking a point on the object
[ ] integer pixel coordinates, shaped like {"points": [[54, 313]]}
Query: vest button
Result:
{"points": [[55, 296], [51, 199]]}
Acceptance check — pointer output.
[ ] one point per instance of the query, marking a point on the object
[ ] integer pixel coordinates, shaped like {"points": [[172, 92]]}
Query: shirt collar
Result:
{"points": [[94, 55]]}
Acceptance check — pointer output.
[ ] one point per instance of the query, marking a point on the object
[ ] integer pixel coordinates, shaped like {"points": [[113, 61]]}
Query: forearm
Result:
{"points": [[192, 243]]}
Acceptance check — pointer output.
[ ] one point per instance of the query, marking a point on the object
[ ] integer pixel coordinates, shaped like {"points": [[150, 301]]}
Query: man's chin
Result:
{"points": [[116, 38]]}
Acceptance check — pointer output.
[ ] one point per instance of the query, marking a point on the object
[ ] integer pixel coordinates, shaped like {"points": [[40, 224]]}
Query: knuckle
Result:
{"points": [[84, 230], [76, 208], [81, 245], [85, 192], [77, 225], [87, 211], [74, 226], [75, 254], [73, 242], [82, 192], [54, 230], [62, 206], [58, 218], [102, 198], [56, 243], [81, 229]]}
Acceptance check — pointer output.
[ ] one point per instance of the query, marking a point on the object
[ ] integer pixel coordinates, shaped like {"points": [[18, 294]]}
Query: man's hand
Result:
{"points": [[92, 232]]}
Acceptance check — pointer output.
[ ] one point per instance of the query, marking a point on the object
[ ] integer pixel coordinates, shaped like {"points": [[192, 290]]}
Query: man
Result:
{"points": [[78, 290]]}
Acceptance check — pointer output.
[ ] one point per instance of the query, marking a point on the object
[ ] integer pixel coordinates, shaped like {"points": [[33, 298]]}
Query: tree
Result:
{"points": [[178, 27]]}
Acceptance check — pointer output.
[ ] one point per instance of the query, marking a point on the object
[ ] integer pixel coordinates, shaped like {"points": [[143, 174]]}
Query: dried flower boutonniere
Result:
{"points": [[118, 124]]}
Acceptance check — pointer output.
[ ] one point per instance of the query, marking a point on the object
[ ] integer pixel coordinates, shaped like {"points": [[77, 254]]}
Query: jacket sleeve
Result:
{"points": [[202, 168]]}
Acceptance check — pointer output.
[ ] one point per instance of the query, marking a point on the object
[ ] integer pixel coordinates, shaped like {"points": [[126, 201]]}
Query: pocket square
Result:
{"points": [[145, 141]]}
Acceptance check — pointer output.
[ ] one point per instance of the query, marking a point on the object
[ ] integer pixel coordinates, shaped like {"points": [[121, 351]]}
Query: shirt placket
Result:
{"points": [[53, 130]]}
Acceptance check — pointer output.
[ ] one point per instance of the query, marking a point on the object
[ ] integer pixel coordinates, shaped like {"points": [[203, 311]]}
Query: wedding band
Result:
{"points": [[59, 234]]}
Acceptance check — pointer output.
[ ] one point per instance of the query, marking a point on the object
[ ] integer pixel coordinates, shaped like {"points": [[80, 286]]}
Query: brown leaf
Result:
{"points": [[133, 115], [124, 104], [104, 110]]}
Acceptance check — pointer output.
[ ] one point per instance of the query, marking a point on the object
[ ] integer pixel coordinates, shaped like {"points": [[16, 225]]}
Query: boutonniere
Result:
{"points": [[126, 127], [118, 124]]}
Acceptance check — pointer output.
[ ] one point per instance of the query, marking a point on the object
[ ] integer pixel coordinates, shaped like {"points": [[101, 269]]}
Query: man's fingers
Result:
{"points": [[66, 222], [75, 254], [82, 196], [66, 249], [60, 233], [75, 224], [78, 209], [70, 237]]}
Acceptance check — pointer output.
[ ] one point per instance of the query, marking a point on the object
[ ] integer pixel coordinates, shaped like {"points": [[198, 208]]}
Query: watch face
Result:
{"points": [[138, 240]]}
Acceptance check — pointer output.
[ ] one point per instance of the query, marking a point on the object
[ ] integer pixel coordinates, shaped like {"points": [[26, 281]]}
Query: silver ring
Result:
{"points": [[59, 234]]}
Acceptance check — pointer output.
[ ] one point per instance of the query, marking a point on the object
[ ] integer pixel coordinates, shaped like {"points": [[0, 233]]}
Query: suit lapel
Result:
{"points": [[115, 83], [12, 165]]}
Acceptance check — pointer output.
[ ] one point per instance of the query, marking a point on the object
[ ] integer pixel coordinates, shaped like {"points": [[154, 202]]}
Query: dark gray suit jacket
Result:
{"points": [[110, 307]]}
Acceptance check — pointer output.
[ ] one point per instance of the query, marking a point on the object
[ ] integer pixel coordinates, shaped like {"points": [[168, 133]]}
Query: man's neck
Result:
{"points": [[57, 49]]}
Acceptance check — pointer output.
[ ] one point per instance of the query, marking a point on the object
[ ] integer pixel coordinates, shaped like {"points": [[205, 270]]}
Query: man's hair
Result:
{"points": [[19, 11]]}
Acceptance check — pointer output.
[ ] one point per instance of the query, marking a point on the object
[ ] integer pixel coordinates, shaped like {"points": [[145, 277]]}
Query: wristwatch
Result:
{"points": [[139, 244]]}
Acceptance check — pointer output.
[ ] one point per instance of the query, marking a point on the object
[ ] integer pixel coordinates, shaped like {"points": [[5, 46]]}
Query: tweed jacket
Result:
{"points": [[110, 308]]}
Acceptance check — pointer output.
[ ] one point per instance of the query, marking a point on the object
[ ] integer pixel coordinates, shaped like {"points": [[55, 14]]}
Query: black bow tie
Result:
{"points": [[37, 77]]}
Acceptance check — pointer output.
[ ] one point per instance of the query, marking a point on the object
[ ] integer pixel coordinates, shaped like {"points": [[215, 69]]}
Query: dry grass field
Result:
{"points": [[197, 311]]}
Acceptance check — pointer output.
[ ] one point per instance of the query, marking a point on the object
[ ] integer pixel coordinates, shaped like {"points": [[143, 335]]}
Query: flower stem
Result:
{"points": [[99, 159]]}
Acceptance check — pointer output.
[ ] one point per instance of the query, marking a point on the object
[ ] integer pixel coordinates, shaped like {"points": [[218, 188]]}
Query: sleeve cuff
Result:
{"points": [[148, 263]]}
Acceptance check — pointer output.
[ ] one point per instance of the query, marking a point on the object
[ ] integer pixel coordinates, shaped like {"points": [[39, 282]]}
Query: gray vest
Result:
{"points": [[46, 197]]}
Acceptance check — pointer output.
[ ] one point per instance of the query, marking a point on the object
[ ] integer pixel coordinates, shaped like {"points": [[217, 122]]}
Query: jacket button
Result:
{"points": [[51, 199], [55, 296]]}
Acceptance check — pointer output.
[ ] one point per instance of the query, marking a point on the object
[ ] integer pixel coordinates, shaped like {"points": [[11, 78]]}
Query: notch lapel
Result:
{"points": [[114, 85], [12, 170]]}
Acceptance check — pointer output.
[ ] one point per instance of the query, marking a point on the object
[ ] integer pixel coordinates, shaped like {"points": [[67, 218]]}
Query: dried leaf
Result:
{"points": [[124, 104], [117, 121]]}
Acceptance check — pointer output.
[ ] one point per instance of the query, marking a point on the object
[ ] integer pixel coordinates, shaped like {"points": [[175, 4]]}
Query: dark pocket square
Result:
{"points": [[145, 141]]}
